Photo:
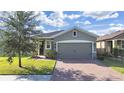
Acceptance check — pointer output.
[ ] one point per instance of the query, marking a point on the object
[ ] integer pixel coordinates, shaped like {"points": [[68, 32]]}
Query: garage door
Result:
{"points": [[75, 50]]}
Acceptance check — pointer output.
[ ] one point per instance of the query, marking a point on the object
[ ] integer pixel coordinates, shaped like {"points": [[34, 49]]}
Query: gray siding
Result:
{"points": [[83, 50], [68, 36], [80, 36]]}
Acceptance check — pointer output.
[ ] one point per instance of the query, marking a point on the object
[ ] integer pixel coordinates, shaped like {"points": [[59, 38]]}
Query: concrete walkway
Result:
{"points": [[25, 77], [89, 70]]}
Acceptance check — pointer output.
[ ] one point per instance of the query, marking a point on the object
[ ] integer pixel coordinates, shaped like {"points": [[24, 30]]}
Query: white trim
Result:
{"points": [[56, 46], [113, 43], [93, 49], [75, 41], [46, 44]]}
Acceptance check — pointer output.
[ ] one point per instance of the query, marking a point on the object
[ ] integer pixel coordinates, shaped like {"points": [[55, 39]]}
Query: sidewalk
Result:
{"points": [[25, 77]]}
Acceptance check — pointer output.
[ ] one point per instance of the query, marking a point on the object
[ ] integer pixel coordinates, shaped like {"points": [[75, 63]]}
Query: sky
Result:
{"points": [[98, 22]]}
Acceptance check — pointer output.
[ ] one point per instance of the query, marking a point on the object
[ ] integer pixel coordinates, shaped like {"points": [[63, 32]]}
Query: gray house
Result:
{"points": [[73, 43]]}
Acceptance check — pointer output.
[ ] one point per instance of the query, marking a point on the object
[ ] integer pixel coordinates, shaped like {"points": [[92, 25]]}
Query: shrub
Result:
{"points": [[118, 52], [115, 52], [50, 54], [100, 57]]}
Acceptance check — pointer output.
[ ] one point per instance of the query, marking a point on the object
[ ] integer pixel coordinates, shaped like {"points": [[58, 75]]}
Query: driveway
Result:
{"points": [[88, 70]]}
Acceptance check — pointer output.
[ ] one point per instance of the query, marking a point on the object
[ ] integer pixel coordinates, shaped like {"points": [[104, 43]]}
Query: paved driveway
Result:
{"points": [[73, 69]]}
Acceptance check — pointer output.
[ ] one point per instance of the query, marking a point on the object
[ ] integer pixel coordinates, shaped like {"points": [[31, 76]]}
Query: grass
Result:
{"points": [[116, 65], [30, 66]]}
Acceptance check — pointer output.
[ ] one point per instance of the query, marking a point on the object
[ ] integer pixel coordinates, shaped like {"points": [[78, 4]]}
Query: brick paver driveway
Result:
{"points": [[73, 69]]}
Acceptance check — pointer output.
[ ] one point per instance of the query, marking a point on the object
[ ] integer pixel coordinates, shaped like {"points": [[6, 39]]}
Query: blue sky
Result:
{"points": [[98, 22]]}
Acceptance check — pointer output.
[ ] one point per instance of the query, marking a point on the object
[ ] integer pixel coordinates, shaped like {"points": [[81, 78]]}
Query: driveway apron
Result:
{"points": [[85, 70]]}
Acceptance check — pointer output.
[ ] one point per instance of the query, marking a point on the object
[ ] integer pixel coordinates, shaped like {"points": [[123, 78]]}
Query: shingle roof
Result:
{"points": [[110, 36], [36, 32], [41, 34], [51, 33]]}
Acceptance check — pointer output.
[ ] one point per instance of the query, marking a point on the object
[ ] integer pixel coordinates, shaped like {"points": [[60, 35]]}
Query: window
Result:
{"points": [[48, 44], [119, 43], [75, 34], [123, 44]]}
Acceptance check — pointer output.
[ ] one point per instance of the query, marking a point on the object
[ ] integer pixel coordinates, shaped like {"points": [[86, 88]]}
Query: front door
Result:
{"points": [[42, 48]]}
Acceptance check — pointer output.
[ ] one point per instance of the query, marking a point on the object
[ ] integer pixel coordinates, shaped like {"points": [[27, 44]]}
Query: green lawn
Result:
{"points": [[30, 66], [116, 65]]}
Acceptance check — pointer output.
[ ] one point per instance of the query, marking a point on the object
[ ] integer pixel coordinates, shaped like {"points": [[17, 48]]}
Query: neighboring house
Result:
{"points": [[73, 43], [107, 43]]}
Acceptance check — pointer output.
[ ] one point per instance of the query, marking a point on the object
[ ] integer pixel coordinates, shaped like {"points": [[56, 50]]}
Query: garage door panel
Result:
{"points": [[74, 50]]}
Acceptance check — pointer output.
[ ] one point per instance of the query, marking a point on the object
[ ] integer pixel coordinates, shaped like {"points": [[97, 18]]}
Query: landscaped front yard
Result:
{"points": [[116, 65], [30, 66]]}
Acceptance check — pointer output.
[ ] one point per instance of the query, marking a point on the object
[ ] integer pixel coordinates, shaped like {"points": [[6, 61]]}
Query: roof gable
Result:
{"points": [[61, 32], [75, 28]]}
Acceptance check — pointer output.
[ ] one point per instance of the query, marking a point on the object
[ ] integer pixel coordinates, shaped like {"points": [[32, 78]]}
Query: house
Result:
{"points": [[72, 43], [107, 43]]}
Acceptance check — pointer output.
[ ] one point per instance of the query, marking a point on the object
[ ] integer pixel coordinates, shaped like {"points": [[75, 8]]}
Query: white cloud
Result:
{"points": [[78, 22], [56, 15], [116, 25], [83, 22], [87, 23], [49, 30], [94, 31], [61, 15], [101, 32], [113, 27], [116, 28], [39, 28], [112, 24], [100, 15], [55, 19], [72, 16]]}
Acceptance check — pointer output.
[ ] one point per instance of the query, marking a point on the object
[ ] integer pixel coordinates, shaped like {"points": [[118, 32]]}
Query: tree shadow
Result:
{"points": [[77, 75], [33, 77], [71, 75], [35, 74]]}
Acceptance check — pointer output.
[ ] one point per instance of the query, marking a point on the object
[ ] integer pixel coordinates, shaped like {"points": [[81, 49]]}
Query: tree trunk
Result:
{"points": [[20, 65]]}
